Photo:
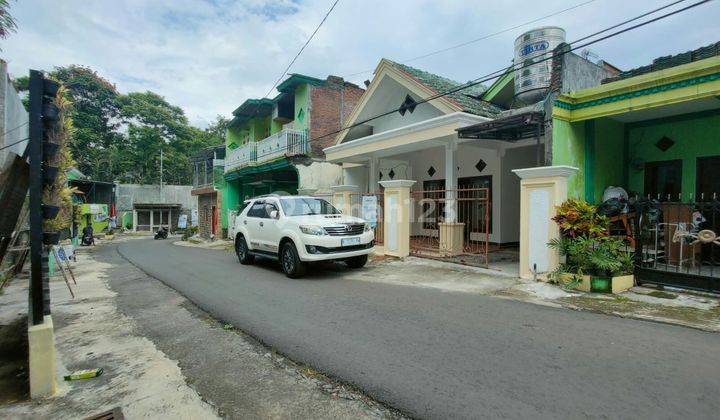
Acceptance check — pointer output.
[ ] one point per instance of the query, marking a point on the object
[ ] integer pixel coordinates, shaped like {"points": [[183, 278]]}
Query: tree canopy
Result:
{"points": [[118, 137]]}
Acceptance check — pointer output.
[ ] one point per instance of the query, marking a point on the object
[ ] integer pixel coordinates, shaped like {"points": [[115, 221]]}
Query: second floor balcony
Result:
{"points": [[281, 144]]}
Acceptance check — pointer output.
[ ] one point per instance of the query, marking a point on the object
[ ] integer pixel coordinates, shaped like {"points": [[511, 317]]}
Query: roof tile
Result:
{"points": [[466, 98]]}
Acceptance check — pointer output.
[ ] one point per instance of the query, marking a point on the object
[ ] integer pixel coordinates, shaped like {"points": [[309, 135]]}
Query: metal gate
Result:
{"points": [[677, 244], [472, 209]]}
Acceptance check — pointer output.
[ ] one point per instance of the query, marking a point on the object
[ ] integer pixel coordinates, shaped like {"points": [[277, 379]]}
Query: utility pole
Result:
{"points": [[162, 197]]}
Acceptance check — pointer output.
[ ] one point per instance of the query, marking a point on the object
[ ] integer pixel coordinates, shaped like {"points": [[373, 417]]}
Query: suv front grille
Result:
{"points": [[345, 230]]}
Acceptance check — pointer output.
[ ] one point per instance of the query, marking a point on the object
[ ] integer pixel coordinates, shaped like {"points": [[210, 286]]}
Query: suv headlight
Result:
{"points": [[368, 228], [312, 230]]}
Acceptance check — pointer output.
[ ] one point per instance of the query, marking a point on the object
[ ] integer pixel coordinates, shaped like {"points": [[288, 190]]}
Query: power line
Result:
{"points": [[13, 129], [13, 144], [302, 49], [514, 67], [484, 37]]}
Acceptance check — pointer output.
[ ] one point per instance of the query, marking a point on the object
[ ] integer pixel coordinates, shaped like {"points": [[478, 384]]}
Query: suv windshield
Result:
{"points": [[306, 206]]}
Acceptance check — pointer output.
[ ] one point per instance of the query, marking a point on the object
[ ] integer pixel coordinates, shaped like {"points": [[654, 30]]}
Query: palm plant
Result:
{"points": [[7, 23]]}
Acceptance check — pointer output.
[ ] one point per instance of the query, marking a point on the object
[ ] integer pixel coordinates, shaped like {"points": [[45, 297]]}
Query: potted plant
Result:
{"points": [[594, 261]]}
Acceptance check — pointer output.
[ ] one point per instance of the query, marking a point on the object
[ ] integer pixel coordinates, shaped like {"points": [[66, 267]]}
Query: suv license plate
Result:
{"points": [[349, 241]]}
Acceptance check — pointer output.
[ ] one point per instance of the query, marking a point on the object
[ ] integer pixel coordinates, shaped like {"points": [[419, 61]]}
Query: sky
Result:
{"points": [[208, 56]]}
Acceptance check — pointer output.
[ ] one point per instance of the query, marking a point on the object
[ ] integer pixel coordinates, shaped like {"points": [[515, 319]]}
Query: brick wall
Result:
{"points": [[327, 103], [205, 215]]}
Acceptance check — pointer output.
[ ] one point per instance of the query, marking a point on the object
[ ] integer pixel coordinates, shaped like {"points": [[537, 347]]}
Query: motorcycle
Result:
{"points": [[87, 238], [161, 233]]}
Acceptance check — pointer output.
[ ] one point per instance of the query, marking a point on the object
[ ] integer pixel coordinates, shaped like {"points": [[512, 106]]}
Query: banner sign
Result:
{"points": [[369, 209]]}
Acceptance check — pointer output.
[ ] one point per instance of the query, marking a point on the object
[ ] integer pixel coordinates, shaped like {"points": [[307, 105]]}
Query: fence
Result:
{"points": [[471, 207], [677, 244], [283, 143]]}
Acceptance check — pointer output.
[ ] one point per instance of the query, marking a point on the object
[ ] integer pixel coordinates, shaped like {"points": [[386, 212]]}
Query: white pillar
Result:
{"points": [[397, 213], [152, 212], [373, 168], [541, 190], [135, 219], [41, 352], [451, 181], [342, 198]]}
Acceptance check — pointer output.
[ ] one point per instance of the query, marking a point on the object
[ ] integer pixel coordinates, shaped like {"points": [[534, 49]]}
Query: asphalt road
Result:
{"points": [[435, 354]]}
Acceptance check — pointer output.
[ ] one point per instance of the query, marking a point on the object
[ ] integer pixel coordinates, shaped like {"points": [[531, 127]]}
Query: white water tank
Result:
{"points": [[533, 81]]}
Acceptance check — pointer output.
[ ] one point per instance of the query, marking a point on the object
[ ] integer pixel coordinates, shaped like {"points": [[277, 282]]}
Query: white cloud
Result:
{"points": [[209, 56]]}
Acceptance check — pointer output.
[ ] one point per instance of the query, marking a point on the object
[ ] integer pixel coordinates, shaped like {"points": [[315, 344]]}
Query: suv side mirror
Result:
{"points": [[274, 214]]}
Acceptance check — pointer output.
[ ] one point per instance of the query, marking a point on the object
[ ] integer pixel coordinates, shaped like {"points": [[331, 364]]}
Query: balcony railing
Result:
{"points": [[281, 144]]}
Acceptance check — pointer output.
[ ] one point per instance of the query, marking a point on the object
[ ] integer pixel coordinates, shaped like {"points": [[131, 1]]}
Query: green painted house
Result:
{"points": [[275, 145], [654, 130]]}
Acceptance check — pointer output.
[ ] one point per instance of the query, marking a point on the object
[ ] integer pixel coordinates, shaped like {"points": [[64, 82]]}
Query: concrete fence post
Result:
{"points": [[541, 190], [397, 217]]}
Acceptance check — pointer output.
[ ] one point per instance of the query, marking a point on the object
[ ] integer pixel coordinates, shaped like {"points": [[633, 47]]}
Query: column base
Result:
{"points": [[452, 238], [41, 348]]}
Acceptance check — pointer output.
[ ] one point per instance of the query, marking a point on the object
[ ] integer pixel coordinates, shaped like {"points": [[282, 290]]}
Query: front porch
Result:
{"points": [[462, 197]]}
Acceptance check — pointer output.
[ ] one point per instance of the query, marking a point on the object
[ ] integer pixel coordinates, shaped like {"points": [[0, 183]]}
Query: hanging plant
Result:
{"points": [[59, 194]]}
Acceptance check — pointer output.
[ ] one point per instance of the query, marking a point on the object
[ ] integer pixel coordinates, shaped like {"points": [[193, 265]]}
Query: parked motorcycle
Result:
{"points": [[88, 237], [161, 233]]}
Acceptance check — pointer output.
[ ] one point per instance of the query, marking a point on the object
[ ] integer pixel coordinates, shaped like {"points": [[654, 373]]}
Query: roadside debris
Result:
{"points": [[84, 374]]}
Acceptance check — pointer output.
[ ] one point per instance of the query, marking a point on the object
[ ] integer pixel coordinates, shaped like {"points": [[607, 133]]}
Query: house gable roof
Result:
{"points": [[468, 99], [423, 84]]}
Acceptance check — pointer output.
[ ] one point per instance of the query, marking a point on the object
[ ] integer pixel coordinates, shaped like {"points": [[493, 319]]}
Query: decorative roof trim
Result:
{"points": [[571, 106]]}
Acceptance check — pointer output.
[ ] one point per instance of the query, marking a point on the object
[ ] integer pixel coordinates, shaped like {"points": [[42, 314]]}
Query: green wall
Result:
{"points": [[98, 227], [234, 137], [302, 102], [230, 200], [694, 136], [568, 148], [598, 169], [609, 157], [619, 150]]}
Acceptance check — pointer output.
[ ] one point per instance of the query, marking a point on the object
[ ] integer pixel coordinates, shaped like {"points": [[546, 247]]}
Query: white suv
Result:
{"points": [[297, 230]]}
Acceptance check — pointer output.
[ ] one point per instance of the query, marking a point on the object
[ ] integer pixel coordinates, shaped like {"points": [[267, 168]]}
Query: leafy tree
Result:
{"points": [[119, 137], [155, 124], [7, 23], [217, 130], [95, 115]]}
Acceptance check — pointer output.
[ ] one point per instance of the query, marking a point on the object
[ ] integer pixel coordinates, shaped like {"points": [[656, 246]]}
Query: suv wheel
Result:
{"points": [[242, 252], [290, 260], [357, 262]]}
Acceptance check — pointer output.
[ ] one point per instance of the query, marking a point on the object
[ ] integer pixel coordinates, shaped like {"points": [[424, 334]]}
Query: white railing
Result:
{"points": [[282, 143]]}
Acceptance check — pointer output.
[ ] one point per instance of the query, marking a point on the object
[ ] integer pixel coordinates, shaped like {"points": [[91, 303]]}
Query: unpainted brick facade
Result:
{"points": [[209, 207], [331, 106]]}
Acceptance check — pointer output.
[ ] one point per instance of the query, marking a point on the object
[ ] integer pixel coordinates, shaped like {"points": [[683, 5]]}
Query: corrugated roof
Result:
{"points": [[669, 61], [466, 99]]}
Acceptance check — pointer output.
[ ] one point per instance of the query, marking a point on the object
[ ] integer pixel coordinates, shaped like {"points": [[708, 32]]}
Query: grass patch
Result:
{"points": [[662, 295]]}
